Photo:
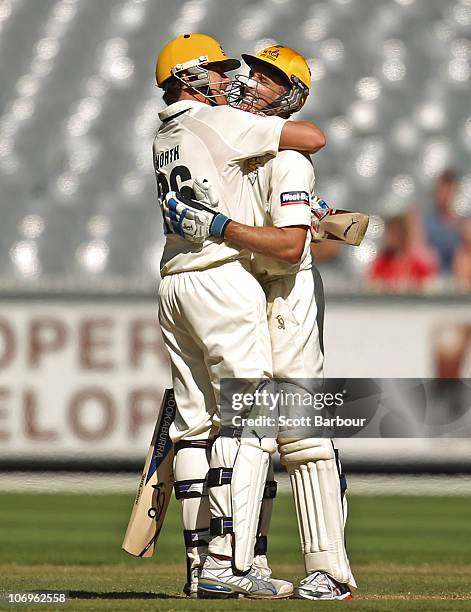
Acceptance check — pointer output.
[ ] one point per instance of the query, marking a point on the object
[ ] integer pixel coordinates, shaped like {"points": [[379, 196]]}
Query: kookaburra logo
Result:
{"points": [[281, 322], [155, 510]]}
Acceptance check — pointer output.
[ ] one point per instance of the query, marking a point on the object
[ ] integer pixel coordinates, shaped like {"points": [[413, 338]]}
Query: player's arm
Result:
{"points": [[291, 178], [196, 222], [290, 181], [248, 135], [282, 243], [301, 136], [292, 175]]}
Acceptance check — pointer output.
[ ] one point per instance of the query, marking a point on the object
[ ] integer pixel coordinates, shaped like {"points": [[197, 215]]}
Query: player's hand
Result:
{"points": [[204, 192], [335, 224], [191, 219], [319, 210]]}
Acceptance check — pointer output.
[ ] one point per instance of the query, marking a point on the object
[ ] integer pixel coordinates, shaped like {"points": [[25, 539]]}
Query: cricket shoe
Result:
{"points": [[190, 588], [320, 585], [260, 563], [218, 580]]}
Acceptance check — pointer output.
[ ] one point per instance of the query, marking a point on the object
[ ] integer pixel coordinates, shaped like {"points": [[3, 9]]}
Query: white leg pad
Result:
{"points": [[223, 454], [319, 507], [248, 484], [190, 469], [240, 497]]}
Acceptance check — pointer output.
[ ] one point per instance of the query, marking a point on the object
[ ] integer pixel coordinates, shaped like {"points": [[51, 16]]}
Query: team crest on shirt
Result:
{"points": [[251, 168]]}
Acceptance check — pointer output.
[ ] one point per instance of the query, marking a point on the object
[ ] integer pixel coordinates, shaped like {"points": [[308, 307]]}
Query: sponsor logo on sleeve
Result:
{"points": [[294, 197]]}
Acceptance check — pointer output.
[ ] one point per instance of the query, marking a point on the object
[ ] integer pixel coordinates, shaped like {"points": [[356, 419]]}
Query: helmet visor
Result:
{"points": [[226, 65]]}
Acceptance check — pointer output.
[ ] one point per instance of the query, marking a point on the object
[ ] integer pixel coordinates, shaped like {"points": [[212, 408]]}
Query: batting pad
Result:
{"points": [[191, 468], [248, 485], [236, 484], [319, 508]]}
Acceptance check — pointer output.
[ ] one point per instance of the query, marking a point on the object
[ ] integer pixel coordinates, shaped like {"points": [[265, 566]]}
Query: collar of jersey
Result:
{"points": [[178, 107]]}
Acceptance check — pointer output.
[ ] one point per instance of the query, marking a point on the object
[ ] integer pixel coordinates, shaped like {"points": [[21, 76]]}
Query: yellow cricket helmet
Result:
{"points": [[190, 51], [291, 65]]}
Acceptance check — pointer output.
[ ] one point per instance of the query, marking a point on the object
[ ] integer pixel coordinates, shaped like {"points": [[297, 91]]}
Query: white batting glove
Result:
{"points": [[204, 192], [191, 219]]}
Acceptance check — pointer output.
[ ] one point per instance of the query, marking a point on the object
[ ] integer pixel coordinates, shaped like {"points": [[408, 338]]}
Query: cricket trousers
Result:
{"points": [[214, 326], [293, 320]]}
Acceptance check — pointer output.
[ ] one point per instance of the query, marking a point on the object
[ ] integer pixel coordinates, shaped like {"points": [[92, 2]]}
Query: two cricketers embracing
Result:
{"points": [[236, 187]]}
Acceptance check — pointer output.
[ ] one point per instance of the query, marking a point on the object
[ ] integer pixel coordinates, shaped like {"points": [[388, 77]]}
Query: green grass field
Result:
{"points": [[408, 553]]}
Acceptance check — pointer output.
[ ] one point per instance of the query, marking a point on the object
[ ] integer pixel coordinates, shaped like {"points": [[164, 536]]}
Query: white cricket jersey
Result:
{"points": [[198, 140], [281, 192]]}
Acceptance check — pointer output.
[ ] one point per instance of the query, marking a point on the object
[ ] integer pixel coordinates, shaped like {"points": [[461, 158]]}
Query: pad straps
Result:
{"points": [[193, 487], [196, 537], [222, 525], [202, 444]]}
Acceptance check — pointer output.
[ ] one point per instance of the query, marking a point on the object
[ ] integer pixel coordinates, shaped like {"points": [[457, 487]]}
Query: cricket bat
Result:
{"points": [[155, 486], [339, 225]]}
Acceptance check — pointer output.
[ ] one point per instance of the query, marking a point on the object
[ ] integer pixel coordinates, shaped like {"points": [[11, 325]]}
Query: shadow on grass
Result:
{"points": [[120, 595]]}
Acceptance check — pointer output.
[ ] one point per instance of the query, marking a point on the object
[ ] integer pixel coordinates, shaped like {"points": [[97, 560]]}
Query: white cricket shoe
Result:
{"points": [[283, 587], [217, 580], [320, 585]]}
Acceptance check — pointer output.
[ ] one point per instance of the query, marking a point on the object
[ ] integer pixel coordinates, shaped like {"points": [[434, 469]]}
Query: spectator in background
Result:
{"points": [[441, 224], [405, 261], [462, 259]]}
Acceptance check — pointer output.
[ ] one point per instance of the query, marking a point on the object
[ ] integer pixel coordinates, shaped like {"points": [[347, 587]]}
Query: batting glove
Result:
{"points": [[319, 210], [204, 192], [191, 219]]}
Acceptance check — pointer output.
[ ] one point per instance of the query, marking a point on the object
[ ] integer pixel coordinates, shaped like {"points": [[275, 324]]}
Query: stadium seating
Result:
{"points": [[78, 111]]}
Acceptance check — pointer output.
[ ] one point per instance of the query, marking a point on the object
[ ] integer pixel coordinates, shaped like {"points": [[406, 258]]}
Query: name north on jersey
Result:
{"points": [[166, 157]]}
